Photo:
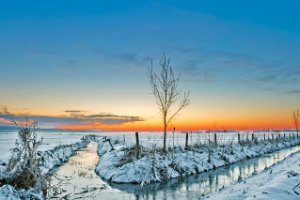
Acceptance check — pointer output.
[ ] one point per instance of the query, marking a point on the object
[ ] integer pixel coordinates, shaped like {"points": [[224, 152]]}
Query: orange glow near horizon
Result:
{"points": [[180, 126], [193, 118]]}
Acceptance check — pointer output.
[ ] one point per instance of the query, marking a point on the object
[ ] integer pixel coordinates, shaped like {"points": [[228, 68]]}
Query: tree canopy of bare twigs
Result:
{"points": [[165, 89]]}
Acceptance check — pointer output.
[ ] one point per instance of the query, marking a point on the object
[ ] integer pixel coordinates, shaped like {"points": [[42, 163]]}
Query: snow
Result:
{"points": [[121, 166], [8, 192], [53, 158], [276, 183], [51, 139], [49, 160]]}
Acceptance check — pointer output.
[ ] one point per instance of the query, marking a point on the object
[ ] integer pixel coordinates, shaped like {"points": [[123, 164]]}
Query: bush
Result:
{"points": [[22, 170]]}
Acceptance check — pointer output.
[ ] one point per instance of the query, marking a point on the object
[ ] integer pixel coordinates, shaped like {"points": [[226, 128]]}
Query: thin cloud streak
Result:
{"points": [[72, 117]]}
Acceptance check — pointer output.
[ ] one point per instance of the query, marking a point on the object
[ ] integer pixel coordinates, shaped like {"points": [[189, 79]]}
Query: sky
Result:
{"points": [[82, 64]]}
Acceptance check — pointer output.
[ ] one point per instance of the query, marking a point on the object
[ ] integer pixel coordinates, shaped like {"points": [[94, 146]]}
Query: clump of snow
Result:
{"points": [[280, 181], [8, 192], [119, 165]]}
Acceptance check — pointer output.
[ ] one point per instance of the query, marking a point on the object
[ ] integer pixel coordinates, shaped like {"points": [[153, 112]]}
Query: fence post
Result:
{"points": [[283, 135], [239, 138], [112, 147], [264, 137], [137, 147], [186, 140], [215, 138], [252, 136], [173, 138]]}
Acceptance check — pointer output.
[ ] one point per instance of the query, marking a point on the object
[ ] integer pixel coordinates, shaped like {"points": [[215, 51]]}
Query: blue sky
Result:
{"points": [[89, 55]]}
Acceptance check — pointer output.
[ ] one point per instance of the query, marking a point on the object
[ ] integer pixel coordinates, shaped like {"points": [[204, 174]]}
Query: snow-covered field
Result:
{"points": [[51, 139], [121, 166], [275, 183]]}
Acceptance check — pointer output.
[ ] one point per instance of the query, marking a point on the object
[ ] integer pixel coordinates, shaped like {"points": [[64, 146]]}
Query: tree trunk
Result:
{"points": [[165, 132], [165, 138]]}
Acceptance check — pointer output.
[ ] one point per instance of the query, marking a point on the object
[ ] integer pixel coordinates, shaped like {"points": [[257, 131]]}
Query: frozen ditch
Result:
{"points": [[201, 185], [121, 165], [76, 179], [49, 161]]}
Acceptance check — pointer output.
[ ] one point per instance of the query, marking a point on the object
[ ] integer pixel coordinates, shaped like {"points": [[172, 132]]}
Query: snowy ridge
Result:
{"points": [[275, 183], [49, 160], [8, 192], [53, 158], [120, 166]]}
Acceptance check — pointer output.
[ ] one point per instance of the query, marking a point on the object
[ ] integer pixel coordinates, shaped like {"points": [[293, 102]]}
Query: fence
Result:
{"points": [[185, 139]]}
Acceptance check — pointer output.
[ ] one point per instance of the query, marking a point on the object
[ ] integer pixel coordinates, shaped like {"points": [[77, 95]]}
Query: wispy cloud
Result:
{"points": [[201, 65], [38, 51], [71, 117], [70, 64], [291, 91], [122, 60]]}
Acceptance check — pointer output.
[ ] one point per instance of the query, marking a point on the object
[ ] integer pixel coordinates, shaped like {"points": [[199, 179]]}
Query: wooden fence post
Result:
{"points": [[239, 138], [215, 138], [112, 147], [264, 137], [186, 140], [252, 136], [137, 147]]}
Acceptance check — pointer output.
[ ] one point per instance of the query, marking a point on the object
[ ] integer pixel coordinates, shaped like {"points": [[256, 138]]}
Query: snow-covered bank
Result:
{"points": [[51, 159], [8, 192], [277, 182], [121, 166]]}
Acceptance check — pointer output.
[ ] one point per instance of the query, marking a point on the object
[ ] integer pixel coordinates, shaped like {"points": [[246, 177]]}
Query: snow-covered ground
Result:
{"points": [[121, 166], [60, 154], [8, 192], [49, 160], [51, 139], [275, 183]]}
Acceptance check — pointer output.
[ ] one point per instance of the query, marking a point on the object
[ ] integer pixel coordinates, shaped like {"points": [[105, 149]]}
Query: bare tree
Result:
{"points": [[296, 118], [166, 92]]}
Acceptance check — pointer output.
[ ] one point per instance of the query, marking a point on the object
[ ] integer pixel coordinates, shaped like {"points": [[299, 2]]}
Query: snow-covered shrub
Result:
{"points": [[22, 169]]}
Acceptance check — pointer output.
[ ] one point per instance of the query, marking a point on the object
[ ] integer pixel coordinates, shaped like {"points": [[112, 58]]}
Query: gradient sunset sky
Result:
{"points": [[82, 64]]}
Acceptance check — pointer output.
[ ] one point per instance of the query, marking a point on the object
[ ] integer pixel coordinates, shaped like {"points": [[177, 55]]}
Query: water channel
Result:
{"points": [[77, 179]]}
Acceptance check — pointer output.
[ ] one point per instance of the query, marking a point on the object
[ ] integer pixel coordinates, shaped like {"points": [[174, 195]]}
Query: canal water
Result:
{"points": [[78, 180]]}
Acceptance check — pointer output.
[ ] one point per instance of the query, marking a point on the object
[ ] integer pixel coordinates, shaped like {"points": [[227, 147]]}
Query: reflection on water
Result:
{"points": [[197, 186], [78, 180]]}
